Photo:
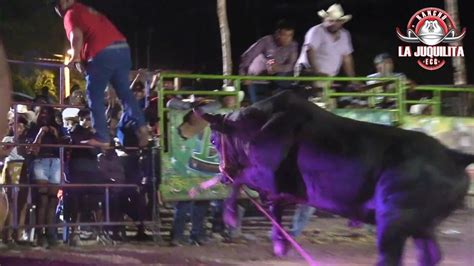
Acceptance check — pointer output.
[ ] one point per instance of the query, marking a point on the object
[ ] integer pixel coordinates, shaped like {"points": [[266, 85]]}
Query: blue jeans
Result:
{"points": [[112, 64], [257, 91], [198, 212], [301, 217], [47, 169]]}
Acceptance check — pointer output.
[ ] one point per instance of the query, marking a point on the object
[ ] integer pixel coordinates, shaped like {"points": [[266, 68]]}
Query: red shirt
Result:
{"points": [[98, 32]]}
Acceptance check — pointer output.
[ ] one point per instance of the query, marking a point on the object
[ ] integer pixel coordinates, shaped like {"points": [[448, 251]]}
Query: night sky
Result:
{"points": [[184, 34]]}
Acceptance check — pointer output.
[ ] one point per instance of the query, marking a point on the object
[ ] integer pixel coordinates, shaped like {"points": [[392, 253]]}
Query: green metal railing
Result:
{"points": [[437, 90], [399, 93], [328, 94], [236, 81]]}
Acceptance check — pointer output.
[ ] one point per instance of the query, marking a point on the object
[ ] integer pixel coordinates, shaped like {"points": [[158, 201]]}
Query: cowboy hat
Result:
{"points": [[240, 94], [334, 12]]}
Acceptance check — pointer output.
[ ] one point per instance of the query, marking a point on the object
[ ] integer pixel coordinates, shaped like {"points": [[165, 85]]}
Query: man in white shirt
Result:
{"points": [[327, 46]]}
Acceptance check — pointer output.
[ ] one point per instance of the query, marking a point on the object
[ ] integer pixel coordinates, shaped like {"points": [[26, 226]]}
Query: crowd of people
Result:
{"points": [[112, 115], [41, 165]]}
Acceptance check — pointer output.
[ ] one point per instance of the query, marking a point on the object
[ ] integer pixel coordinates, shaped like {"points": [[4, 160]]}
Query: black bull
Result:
{"points": [[290, 150]]}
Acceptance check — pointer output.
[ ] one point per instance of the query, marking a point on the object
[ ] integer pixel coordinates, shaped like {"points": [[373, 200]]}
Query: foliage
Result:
{"points": [[32, 83]]}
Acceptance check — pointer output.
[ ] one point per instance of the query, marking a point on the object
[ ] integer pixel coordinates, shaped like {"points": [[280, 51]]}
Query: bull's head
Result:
{"points": [[223, 141]]}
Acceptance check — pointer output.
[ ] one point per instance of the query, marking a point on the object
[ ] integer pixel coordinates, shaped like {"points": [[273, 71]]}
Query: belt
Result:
{"points": [[117, 45], [113, 46]]}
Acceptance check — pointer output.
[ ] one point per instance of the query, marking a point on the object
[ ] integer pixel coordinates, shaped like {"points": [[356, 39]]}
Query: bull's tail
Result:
{"points": [[462, 159]]}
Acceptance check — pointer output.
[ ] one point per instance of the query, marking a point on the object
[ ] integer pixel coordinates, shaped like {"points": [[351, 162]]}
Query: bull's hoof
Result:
{"points": [[280, 248]]}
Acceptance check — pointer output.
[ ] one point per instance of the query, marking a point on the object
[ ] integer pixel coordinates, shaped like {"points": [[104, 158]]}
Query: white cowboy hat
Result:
{"points": [[69, 113], [240, 94], [23, 109], [334, 12]]}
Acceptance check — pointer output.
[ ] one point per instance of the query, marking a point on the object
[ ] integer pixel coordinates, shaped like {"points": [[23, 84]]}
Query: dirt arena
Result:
{"points": [[328, 240]]}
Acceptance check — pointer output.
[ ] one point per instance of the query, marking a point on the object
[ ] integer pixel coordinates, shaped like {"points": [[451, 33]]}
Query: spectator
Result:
{"points": [[74, 88], [134, 202], [13, 174], [218, 225], [197, 210], [113, 111], [327, 46], [138, 90], [82, 169], [71, 119], [46, 170], [271, 55], [95, 40], [384, 65]]}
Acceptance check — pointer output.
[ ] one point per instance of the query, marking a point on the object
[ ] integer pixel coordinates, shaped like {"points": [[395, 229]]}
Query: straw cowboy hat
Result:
{"points": [[334, 12], [240, 94]]}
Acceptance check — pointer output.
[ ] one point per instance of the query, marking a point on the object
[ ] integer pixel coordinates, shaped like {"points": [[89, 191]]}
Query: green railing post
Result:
{"points": [[327, 95], [437, 104], [401, 100], [237, 85], [161, 112]]}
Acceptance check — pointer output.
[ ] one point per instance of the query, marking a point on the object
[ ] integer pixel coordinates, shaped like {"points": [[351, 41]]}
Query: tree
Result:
{"points": [[459, 65], [30, 30], [225, 38]]}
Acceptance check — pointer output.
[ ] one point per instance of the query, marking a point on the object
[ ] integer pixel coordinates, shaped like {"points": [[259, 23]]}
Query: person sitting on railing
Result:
{"points": [[12, 174], [46, 170], [81, 169], [274, 54], [384, 65]]}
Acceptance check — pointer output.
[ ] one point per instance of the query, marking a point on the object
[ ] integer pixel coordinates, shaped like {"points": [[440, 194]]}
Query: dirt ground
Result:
{"points": [[328, 240]]}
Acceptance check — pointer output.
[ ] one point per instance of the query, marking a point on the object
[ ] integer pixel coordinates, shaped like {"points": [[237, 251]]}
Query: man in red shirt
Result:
{"points": [[102, 53]]}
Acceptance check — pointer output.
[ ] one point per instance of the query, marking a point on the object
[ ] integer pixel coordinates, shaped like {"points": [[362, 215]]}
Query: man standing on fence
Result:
{"points": [[101, 52], [327, 46]]}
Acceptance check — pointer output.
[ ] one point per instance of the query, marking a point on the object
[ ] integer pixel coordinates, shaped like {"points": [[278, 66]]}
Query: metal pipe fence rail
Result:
{"points": [[63, 90], [399, 93], [71, 146], [107, 187], [54, 105]]}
